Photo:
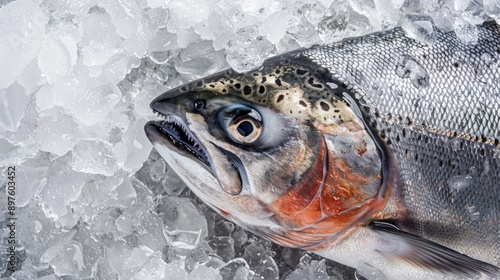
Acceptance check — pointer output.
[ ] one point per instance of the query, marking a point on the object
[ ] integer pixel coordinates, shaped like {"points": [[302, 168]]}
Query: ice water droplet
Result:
{"points": [[419, 27], [409, 68], [38, 226], [474, 214], [486, 168], [459, 182]]}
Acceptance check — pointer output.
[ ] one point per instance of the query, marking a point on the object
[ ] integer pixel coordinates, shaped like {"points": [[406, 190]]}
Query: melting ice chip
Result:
{"points": [[419, 27], [408, 68], [459, 182]]}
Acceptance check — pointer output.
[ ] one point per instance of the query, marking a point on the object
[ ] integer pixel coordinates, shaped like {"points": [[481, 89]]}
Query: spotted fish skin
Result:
{"points": [[378, 152], [438, 108]]}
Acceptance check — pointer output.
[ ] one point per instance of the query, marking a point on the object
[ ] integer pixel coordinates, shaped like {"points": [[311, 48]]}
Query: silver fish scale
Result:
{"points": [[436, 105], [448, 85]]}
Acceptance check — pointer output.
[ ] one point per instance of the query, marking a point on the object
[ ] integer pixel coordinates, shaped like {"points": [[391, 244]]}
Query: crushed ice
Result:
{"points": [[76, 79]]}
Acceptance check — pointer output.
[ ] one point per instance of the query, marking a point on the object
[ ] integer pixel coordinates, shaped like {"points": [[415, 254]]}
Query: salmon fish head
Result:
{"points": [[282, 151]]}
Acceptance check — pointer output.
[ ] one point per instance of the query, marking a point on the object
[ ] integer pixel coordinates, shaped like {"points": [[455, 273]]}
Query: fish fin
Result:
{"points": [[422, 252]]}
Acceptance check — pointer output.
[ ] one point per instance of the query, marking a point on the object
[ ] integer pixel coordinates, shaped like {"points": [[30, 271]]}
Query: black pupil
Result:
{"points": [[245, 128], [198, 104]]}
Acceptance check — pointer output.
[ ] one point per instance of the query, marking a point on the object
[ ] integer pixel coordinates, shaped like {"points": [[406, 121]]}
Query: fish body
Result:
{"points": [[379, 152]]}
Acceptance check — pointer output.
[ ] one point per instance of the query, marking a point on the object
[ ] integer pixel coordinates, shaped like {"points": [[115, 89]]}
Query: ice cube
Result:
{"points": [[223, 246], [314, 270], [194, 258], [172, 183], [21, 35], [126, 260], [301, 30], [53, 60], [94, 157], [274, 27], [39, 235], [466, 31], [13, 105], [200, 60], [93, 105], [70, 261], [186, 37], [139, 223], [138, 43], [175, 270], [56, 134], [159, 16], [153, 268], [184, 226], [67, 8], [203, 273], [157, 169], [236, 269], [181, 16], [247, 49], [333, 25], [125, 15], [163, 41], [30, 78], [419, 27], [100, 39], [492, 9], [157, 3], [63, 186], [261, 261], [31, 176]]}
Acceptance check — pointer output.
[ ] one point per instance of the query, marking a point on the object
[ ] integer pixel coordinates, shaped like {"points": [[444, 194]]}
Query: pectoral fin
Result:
{"points": [[427, 254]]}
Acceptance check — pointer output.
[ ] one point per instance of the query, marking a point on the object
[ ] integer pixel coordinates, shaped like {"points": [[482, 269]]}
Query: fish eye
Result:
{"points": [[242, 123], [245, 129], [199, 104]]}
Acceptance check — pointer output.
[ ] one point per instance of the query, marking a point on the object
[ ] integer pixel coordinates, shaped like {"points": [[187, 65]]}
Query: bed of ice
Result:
{"points": [[76, 78]]}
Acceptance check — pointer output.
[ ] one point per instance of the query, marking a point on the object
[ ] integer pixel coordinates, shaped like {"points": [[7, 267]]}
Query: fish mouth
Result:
{"points": [[175, 131]]}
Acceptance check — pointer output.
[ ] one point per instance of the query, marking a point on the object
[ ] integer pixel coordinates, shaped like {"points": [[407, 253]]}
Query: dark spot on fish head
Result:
{"points": [[324, 106], [237, 86], [280, 98], [301, 72], [262, 89], [303, 103], [247, 90], [264, 79], [278, 82]]}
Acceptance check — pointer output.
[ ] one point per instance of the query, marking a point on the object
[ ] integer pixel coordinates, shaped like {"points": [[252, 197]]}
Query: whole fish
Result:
{"points": [[380, 152]]}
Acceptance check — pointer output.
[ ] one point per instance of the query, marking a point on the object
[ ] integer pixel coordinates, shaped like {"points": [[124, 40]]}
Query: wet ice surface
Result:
{"points": [[76, 78]]}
